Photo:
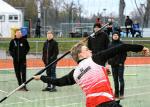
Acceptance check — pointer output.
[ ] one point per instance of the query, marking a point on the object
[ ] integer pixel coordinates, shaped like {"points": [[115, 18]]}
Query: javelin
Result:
{"points": [[49, 65]]}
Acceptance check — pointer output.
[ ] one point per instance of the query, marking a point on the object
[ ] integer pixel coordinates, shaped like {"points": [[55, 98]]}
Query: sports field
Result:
{"points": [[137, 90]]}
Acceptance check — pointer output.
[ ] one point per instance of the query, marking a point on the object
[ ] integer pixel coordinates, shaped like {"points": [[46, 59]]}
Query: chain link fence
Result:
{"points": [[34, 56]]}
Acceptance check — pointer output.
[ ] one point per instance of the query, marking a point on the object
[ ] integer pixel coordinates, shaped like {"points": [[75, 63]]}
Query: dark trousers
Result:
{"points": [[20, 71], [38, 35], [110, 104], [51, 72], [131, 30], [118, 76], [138, 31]]}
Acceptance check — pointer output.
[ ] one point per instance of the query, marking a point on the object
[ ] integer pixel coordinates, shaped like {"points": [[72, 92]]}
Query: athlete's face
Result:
{"points": [[85, 52]]}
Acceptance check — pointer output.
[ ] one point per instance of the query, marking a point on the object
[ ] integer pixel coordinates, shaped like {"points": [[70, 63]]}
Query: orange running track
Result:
{"points": [[66, 62]]}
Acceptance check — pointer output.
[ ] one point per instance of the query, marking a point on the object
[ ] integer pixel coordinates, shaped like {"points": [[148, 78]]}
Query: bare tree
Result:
{"points": [[121, 11], [79, 10], [140, 12], [57, 5], [72, 10], [69, 9], [16, 3], [30, 10], [147, 13], [28, 6]]}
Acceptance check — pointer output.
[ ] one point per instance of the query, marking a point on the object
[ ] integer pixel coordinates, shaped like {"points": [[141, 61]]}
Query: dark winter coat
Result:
{"points": [[98, 43], [50, 51], [18, 49], [128, 22], [120, 58]]}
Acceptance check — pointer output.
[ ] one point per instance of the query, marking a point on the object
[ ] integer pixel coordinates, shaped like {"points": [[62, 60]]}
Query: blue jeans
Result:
{"points": [[51, 72], [118, 76]]}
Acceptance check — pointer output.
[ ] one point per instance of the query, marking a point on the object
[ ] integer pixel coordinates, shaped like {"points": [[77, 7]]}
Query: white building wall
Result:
{"points": [[7, 24]]}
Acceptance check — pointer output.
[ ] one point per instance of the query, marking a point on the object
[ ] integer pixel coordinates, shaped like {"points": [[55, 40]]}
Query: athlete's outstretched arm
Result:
{"points": [[63, 81], [104, 55]]}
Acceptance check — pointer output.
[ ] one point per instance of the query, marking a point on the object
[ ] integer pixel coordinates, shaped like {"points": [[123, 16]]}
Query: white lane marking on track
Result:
{"points": [[81, 94], [72, 104], [17, 96], [36, 100]]}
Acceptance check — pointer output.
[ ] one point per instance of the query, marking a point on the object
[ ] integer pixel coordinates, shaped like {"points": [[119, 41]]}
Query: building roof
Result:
{"points": [[6, 8]]}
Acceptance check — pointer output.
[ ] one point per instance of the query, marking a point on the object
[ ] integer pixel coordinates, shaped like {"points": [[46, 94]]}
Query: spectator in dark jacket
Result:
{"points": [[38, 31], [50, 52], [128, 25], [38, 28], [91, 76], [109, 28], [18, 49], [117, 65], [99, 42]]}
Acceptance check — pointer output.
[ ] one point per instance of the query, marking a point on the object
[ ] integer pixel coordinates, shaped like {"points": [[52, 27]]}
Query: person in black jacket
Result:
{"points": [[96, 86], [99, 41], [50, 53], [117, 65], [128, 25], [18, 49]]}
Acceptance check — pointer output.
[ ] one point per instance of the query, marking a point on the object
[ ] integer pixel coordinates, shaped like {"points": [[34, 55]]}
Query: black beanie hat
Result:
{"points": [[116, 33]]}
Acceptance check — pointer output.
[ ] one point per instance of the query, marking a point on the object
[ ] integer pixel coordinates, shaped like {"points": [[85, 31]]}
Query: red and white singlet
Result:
{"points": [[93, 80]]}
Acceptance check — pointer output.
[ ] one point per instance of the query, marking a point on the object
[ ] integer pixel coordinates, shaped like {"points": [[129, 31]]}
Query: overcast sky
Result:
{"points": [[111, 6]]}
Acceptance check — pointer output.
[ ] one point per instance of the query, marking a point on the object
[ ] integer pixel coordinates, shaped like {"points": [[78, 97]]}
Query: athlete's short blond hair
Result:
{"points": [[76, 50]]}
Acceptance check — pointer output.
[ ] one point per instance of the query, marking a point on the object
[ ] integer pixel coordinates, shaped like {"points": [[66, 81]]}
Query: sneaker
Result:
{"points": [[121, 97], [53, 90], [25, 89], [46, 89]]}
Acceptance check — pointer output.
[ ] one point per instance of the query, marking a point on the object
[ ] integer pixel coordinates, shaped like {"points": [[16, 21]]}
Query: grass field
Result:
{"points": [[137, 90], [36, 44]]}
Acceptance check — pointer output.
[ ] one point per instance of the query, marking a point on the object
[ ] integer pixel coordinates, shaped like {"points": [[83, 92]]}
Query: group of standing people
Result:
{"points": [[90, 73], [101, 42], [133, 27], [130, 27], [19, 48]]}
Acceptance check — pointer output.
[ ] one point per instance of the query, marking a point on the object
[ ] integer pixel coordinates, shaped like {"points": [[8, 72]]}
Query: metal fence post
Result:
{"points": [[36, 49]]}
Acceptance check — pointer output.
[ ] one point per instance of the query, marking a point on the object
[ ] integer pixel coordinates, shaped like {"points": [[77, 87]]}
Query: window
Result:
{"points": [[16, 17], [13, 17], [10, 17], [2, 18]]}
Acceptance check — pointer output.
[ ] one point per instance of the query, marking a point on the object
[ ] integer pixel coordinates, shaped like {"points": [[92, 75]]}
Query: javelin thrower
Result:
{"points": [[41, 71]]}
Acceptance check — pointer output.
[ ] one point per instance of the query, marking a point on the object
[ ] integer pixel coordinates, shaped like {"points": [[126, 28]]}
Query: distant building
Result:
{"points": [[9, 18]]}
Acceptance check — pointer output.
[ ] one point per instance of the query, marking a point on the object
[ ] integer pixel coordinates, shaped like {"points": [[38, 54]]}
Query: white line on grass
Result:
{"points": [[146, 93], [36, 100], [126, 74], [3, 91], [144, 86], [16, 96], [67, 105]]}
